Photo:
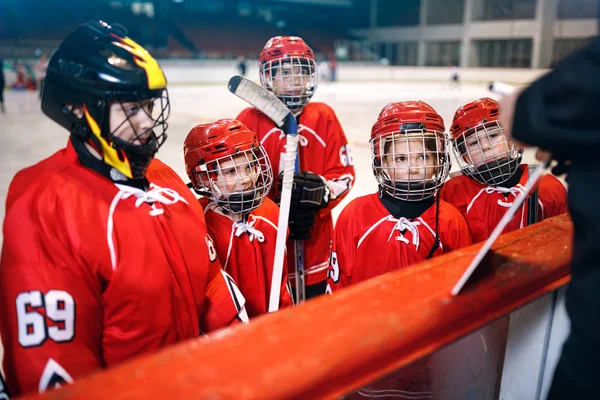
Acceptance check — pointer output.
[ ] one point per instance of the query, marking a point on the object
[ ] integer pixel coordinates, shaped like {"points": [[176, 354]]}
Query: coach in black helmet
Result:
{"points": [[559, 114]]}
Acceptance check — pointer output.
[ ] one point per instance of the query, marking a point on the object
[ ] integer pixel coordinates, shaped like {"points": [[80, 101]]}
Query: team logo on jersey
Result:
{"points": [[54, 376]]}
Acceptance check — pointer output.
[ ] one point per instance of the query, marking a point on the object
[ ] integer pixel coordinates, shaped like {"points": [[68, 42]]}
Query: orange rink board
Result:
{"points": [[332, 345]]}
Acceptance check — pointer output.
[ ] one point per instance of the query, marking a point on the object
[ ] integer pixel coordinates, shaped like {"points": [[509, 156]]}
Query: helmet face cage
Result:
{"points": [[486, 155], [292, 79], [157, 109], [411, 165], [239, 182]]}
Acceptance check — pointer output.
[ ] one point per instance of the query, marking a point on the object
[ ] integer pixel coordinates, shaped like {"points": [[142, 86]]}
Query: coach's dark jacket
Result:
{"points": [[561, 113]]}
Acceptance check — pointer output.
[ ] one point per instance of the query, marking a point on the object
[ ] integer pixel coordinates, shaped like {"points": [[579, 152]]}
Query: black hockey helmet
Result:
{"points": [[97, 65]]}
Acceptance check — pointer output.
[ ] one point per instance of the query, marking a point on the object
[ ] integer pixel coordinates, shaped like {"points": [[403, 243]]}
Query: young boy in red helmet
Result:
{"points": [[287, 68], [230, 168], [493, 175], [405, 222]]}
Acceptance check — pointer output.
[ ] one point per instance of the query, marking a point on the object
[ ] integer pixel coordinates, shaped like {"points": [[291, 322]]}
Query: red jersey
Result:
{"points": [[247, 251], [483, 206], [93, 273], [368, 241], [323, 150]]}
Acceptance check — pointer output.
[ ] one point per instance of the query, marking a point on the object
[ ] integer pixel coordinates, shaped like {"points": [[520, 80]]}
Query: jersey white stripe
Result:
{"points": [[364, 236], [264, 219], [430, 230], [275, 129], [306, 128]]}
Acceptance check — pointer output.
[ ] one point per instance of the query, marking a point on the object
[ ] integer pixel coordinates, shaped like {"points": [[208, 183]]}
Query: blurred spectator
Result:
{"points": [[454, 76], [25, 77], [20, 71], [242, 65], [332, 67]]}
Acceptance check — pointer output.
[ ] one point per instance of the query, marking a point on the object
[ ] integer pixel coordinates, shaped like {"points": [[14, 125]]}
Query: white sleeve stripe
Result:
{"points": [[542, 207], [312, 270], [317, 268]]}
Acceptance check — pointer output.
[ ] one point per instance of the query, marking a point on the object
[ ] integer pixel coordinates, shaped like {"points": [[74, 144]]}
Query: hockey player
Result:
{"points": [[492, 174], [405, 222], [226, 164], [287, 68], [106, 255]]}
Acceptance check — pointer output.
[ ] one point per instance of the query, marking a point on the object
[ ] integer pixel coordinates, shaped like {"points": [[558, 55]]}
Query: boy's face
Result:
{"points": [[407, 159], [132, 121], [238, 173], [290, 79], [486, 145]]}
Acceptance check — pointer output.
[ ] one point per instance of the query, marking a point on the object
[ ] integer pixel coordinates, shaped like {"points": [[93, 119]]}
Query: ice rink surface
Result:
{"points": [[27, 136]]}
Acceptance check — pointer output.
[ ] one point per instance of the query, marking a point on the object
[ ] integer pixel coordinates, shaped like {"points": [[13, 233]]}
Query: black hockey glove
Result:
{"points": [[310, 193]]}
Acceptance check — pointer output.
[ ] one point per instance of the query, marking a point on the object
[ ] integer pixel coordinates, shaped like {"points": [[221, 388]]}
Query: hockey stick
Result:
{"points": [[504, 89], [266, 102]]}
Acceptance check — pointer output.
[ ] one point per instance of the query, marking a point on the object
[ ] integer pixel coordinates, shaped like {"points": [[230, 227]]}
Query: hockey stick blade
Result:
{"points": [[501, 88], [508, 216], [260, 98]]}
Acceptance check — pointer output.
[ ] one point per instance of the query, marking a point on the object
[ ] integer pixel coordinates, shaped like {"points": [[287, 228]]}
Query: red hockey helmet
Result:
{"points": [[225, 161], [479, 144], [285, 46], [400, 116], [410, 152], [473, 114], [288, 69]]}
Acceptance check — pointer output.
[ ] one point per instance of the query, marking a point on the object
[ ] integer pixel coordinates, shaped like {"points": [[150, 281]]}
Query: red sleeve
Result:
{"points": [[456, 232], [338, 161], [50, 302], [452, 192], [343, 253], [224, 304], [553, 196], [249, 117]]}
